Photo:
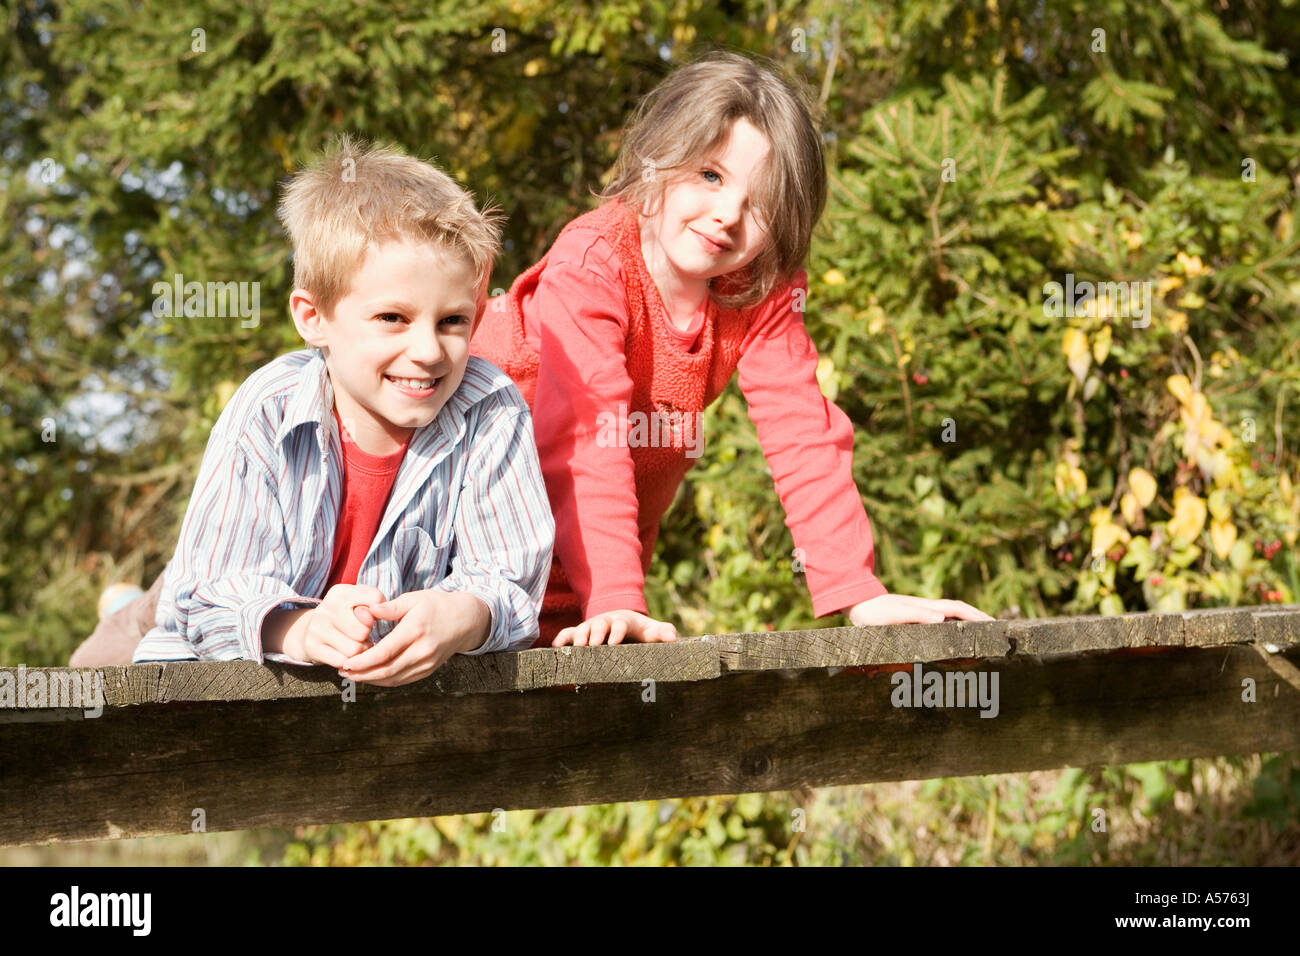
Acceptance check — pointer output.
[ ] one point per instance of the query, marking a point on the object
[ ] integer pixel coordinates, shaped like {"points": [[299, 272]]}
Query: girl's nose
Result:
{"points": [[727, 211]]}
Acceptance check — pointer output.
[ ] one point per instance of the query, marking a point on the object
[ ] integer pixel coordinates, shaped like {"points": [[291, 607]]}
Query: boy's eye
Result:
{"points": [[389, 317], [457, 319], [706, 173]]}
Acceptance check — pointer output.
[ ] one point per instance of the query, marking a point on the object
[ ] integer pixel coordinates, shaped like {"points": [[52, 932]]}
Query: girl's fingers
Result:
{"points": [[618, 631], [599, 629], [663, 634]]}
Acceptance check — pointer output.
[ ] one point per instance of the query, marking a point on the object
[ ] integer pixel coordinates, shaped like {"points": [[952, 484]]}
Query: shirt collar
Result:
{"points": [[312, 399]]}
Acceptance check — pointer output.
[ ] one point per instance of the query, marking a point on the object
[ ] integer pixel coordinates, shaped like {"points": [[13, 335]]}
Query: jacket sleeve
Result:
{"points": [[808, 443], [583, 385], [230, 566]]}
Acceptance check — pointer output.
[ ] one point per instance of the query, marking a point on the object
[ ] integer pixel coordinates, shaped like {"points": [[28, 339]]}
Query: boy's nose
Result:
{"points": [[425, 347]]}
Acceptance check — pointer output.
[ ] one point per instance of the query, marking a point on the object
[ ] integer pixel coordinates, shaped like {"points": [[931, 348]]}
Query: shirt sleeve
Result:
{"points": [[230, 566], [580, 307], [808, 443], [504, 530]]}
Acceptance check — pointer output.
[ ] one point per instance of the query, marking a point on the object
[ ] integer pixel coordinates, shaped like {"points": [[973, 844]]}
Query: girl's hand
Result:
{"points": [[903, 609], [618, 626]]}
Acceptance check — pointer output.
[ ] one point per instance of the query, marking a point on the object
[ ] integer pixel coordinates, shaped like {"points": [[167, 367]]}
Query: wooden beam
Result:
{"points": [[251, 746]]}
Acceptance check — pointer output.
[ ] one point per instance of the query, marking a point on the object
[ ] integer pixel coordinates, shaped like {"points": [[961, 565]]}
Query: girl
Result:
{"points": [[634, 322]]}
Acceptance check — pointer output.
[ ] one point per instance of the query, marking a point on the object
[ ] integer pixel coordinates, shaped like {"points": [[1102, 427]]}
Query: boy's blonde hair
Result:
{"points": [[357, 193], [688, 116]]}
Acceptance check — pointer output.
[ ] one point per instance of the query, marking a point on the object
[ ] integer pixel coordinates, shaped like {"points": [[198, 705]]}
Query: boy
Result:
{"points": [[339, 483]]}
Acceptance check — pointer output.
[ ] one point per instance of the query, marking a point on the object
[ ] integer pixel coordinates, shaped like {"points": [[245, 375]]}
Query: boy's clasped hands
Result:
{"points": [[431, 626]]}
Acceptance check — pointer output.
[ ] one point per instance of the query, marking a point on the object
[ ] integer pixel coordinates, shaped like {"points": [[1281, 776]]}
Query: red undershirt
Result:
{"points": [[367, 482]]}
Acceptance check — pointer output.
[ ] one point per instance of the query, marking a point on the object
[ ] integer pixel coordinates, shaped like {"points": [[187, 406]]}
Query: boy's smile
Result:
{"points": [[397, 344]]}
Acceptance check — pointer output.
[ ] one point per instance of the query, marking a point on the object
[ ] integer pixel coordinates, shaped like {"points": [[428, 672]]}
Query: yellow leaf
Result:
{"points": [[833, 277], [1166, 283], [1224, 536], [1192, 265], [1075, 348], [876, 322], [1106, 533], [534, 67], [1189, 515], [1133, 239], [1180, 387], [1220, 510], [1192, 300], [1069, 478], [1101, 345], [1143, 485], [1177, 321], [1128, 506], [225, 392], [826, 380]]}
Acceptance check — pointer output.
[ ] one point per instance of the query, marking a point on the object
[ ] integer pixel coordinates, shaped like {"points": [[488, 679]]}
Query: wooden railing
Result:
{"points": [[224, 746]]}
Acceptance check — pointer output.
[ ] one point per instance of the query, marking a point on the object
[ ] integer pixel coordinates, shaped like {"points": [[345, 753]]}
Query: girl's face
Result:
{"points": [[706, 225]]}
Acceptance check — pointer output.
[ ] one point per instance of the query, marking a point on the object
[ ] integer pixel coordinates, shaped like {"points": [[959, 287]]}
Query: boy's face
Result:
{"points": [[397, 344]]}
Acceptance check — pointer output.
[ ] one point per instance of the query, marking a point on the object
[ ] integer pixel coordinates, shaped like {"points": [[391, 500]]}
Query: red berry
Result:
{"points": [[1276, 544], [1259, 545], [1254, 464], [1069, 557], [919, 379], [1156, 580], [1123, 373]]}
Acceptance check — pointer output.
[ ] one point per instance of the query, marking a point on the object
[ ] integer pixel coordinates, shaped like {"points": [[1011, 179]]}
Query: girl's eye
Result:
{"points": [[457, 319], [706, 173]]}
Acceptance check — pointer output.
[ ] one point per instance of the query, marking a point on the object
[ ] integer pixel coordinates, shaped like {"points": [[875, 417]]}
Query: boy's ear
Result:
{"points": [[480, 303], [307, 319]]}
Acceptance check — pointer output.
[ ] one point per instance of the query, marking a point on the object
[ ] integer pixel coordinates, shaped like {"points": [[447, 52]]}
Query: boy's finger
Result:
{"points": [[324, 654], [599, 630], [564, 637], [386, 650], [395, 609], [345, 645], [362, 613], [365, 594], [347, 624]]}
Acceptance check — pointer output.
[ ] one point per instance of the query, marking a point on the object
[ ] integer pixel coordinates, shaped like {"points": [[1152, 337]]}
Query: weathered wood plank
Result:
{"points": [[282, 745], [145, 769], [704, 658]]}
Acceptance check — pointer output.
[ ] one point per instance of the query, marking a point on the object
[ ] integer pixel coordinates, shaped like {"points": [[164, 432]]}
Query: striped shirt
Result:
{"points": [[468, 512]]}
